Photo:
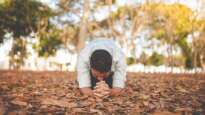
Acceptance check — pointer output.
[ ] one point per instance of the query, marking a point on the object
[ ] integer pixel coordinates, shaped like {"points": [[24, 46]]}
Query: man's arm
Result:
{"points": [[119, 77], [83, 75]]}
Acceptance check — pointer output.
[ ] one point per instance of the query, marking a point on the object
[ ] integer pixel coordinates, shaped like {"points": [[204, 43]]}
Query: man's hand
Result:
{"points": [[86, 91], [101, 89], [115, 91]]}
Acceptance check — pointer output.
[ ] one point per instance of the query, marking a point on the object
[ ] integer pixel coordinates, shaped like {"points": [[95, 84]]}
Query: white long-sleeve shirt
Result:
{"points": [[118, 63]]}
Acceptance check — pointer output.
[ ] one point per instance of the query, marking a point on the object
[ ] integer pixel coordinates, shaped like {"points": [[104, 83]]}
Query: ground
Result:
{"points": [[56, 93]]}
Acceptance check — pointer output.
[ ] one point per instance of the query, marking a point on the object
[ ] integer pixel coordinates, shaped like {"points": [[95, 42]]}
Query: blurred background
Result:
{"points": [[156, 35]]}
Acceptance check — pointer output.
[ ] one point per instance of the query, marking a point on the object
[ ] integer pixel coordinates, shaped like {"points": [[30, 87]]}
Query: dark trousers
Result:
{"points": [[108, 80]]}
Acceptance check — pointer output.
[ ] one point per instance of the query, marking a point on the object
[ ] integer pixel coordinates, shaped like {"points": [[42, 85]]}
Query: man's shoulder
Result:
{"points": [[103, 43], [102, 40]]}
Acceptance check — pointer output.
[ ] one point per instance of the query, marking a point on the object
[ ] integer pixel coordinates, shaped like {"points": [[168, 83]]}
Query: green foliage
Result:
{"points": [[172, 24], [130, 60], [189, 62], [130, 12], [159, 33], [170, 21], [70, 35], [2, 33], [48, 44], [186, 50], [118, 13], [155, 59], [21, 17]]}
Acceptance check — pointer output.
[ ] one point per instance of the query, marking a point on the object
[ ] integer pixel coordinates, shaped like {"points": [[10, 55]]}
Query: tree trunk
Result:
{"points": [[202, 63], [83, 27]]}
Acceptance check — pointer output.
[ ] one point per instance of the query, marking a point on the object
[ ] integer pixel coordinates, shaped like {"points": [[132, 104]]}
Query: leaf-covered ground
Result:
{"points": [[56, 93]]}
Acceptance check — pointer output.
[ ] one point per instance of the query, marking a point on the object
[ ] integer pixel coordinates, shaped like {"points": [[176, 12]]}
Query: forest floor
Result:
{"points": [[56, 93]]}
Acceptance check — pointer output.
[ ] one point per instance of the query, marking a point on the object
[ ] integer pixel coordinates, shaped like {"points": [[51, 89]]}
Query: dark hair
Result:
{"points": [[101, 60]]}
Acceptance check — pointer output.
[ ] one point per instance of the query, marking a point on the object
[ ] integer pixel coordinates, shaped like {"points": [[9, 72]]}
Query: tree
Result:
{"points": [[198, 45], [48, 43], [172, 24], [89, 26], [21, 17], [75, 31], [18, 53], [123, 22], [83, 27], [198, 42]]}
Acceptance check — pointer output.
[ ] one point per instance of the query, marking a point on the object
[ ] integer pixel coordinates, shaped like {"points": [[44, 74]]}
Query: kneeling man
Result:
{"points": [[101, 68]]}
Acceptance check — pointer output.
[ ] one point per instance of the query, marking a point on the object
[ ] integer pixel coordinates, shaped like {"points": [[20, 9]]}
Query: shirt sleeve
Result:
{"points": [[119, 77], [83, 72]]}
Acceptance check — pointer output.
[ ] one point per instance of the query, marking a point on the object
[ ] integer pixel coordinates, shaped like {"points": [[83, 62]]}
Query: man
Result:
{"points": [[101, 60]]}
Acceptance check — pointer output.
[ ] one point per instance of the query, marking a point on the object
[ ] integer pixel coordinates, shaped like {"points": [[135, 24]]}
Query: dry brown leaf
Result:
{"points": [[144, 97], [99, 112], [150, 93], [183, 109], [165, 113], [2, 108], [179, 88], [60, 103], [18, 102], [79, 110], [145, 103]]}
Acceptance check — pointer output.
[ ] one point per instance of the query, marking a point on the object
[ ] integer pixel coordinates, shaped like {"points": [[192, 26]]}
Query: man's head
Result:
{"points": [[101, 62]]}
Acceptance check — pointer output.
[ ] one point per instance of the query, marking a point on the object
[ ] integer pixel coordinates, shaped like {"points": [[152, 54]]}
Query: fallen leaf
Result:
{"points": [[155, 94], [2, 108], [183, 109], [165, 113], [99, 112], [18, 102], [145, 103], [78, 110], [179, 88], [144, 97], [59, 103]]}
